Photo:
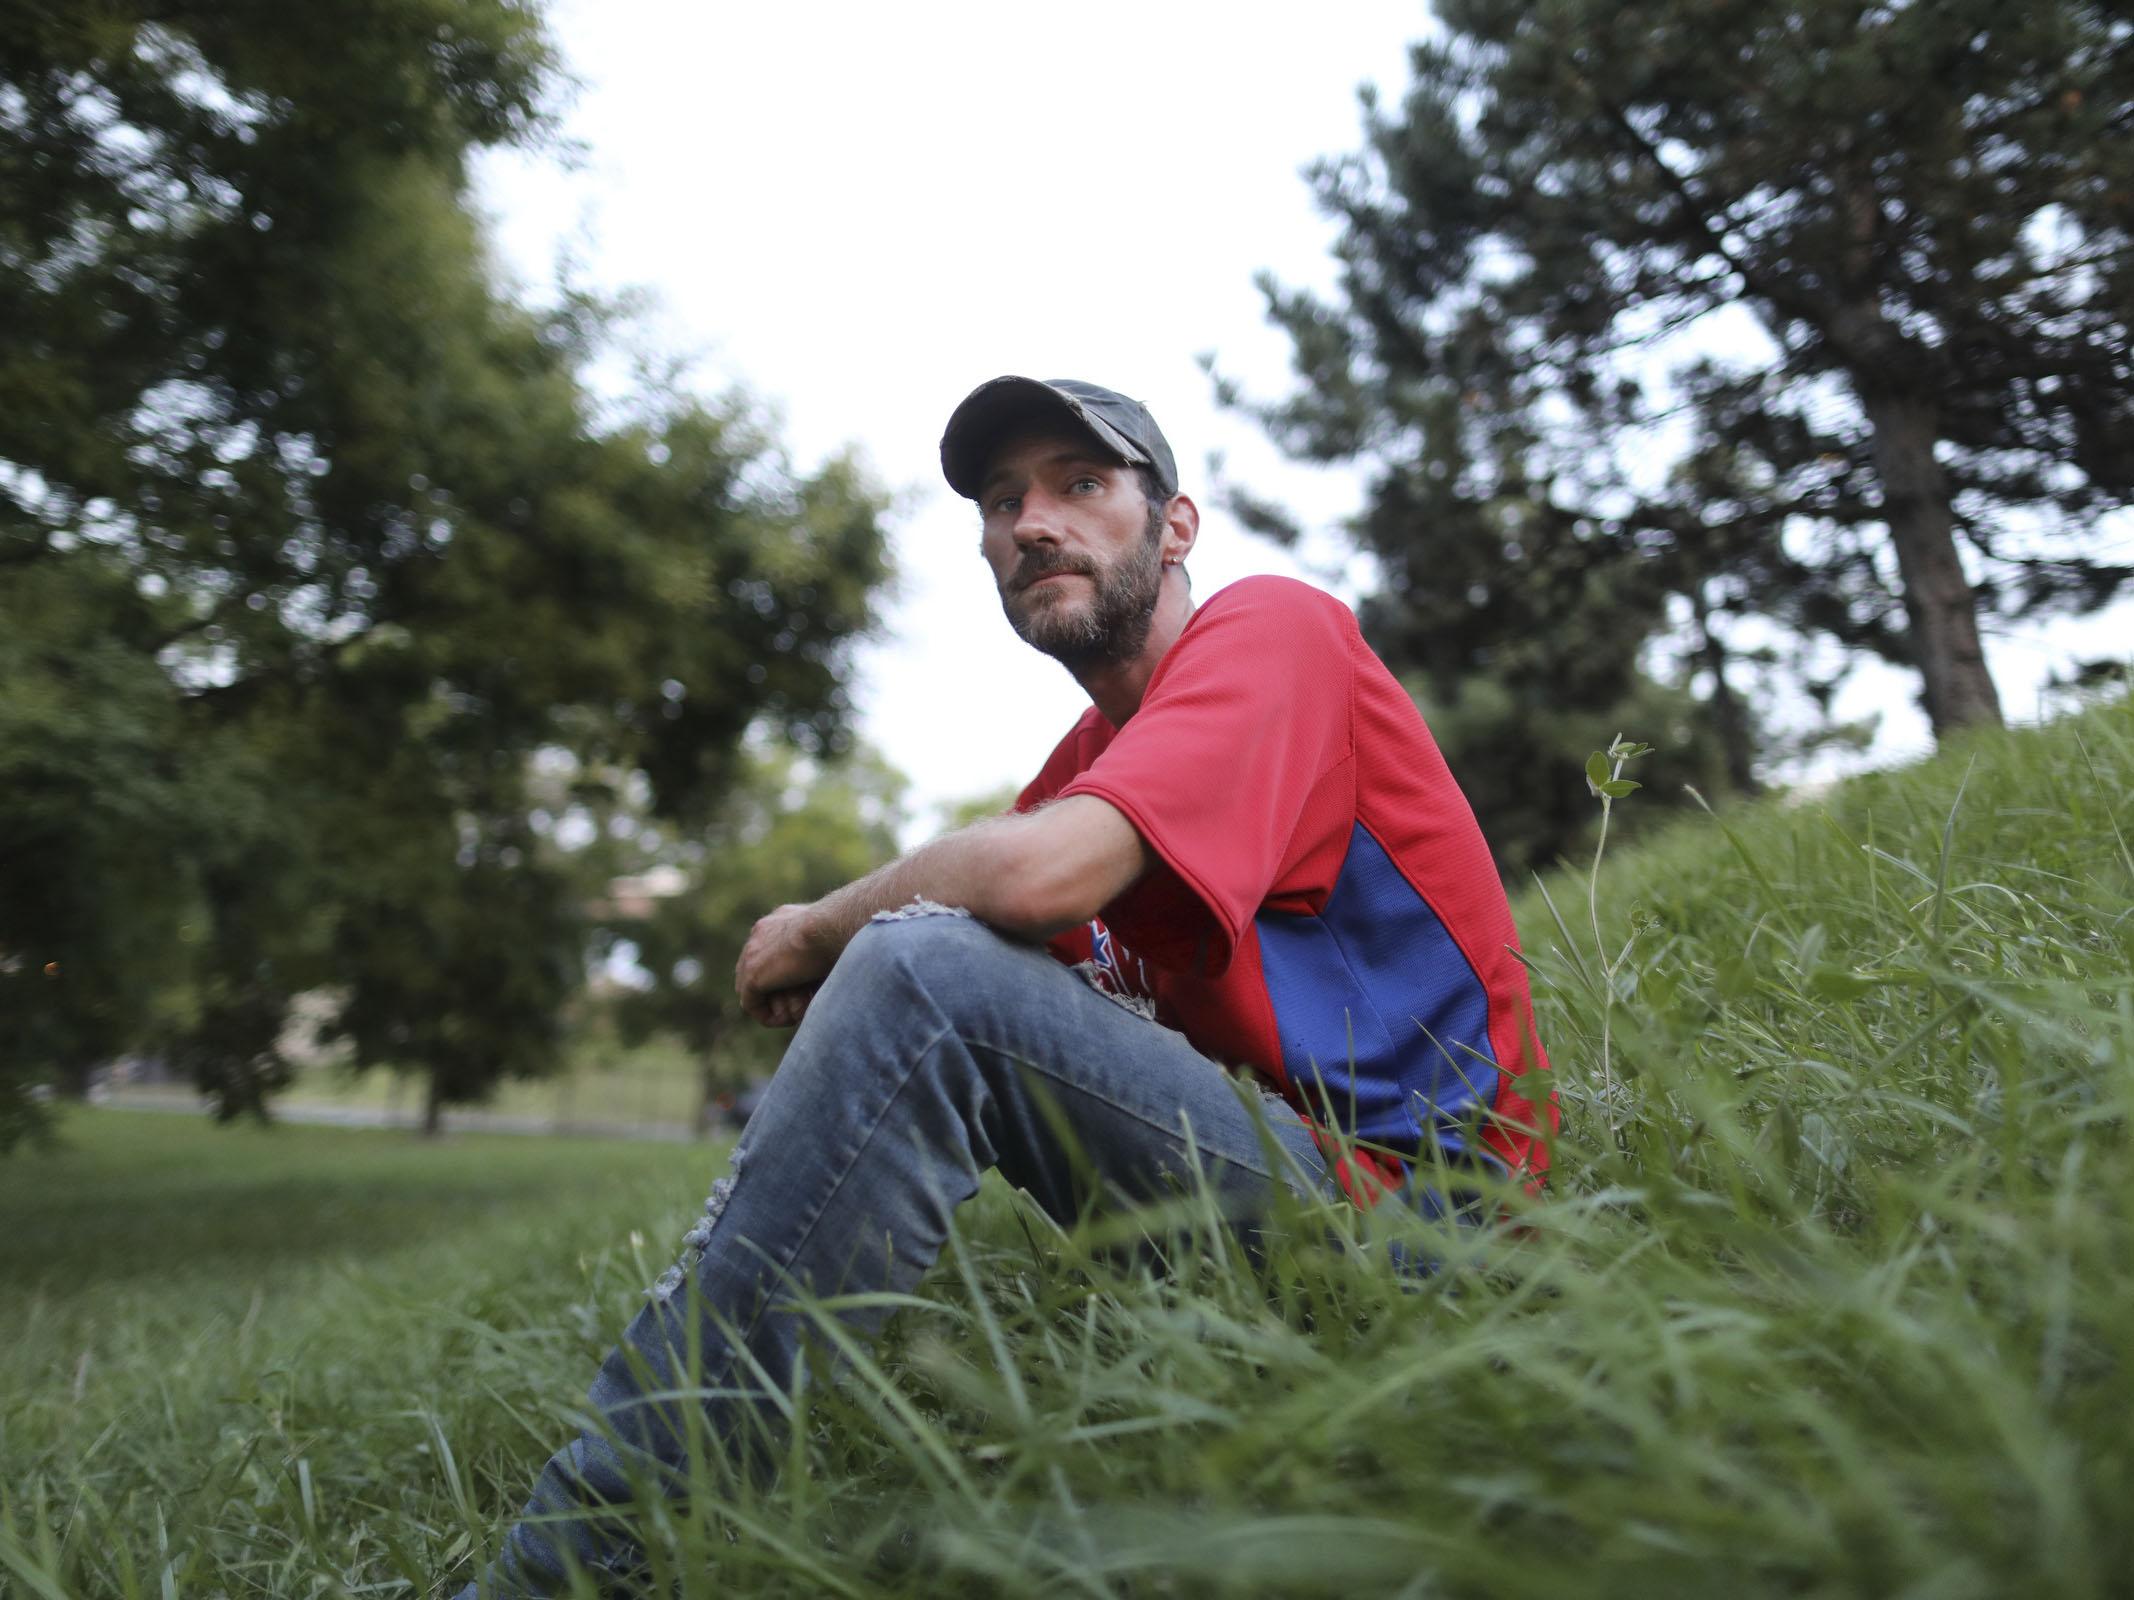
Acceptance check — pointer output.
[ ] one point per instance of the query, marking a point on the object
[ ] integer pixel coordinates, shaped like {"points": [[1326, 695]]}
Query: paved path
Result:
{"points": [[456, 1119]]}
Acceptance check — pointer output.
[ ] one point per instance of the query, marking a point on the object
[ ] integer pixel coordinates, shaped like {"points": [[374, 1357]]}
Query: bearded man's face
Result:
{"points": [[1076, 548]]}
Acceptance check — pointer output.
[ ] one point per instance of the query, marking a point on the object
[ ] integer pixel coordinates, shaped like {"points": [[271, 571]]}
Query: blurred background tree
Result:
{"points": [[1920, 213], [792, 830], [977, 807], [312, 539]]}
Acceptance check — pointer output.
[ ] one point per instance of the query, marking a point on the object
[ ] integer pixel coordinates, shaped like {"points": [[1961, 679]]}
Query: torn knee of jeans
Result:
{"points": [[1100, 980], [698, 1239], [918, 906]]}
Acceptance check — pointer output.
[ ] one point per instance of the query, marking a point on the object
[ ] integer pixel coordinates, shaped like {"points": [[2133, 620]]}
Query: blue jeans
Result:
{"points": [[935, 1049]]}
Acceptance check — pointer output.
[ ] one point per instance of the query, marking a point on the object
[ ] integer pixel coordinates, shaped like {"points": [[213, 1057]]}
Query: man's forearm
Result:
{"points": [[1029, 876], [975, 869], [794, 947]]}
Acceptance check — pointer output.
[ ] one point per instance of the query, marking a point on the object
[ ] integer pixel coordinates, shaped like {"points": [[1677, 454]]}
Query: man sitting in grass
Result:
{"points": [[1248, 851]]}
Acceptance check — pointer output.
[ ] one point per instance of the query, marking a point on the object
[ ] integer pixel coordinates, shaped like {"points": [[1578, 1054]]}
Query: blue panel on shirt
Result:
{"points": [[1375, 979]]}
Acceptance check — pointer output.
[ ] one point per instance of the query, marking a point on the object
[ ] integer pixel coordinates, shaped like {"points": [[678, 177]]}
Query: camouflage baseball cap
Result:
{"points": [[1000, 407]]}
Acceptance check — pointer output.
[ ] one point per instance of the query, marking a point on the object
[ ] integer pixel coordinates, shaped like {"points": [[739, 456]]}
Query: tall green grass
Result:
{"points": [[1830, 1295], [233, 1360]]}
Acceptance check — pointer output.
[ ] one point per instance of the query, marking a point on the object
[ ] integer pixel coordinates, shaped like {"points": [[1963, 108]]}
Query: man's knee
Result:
{"points": [[938, 947]]}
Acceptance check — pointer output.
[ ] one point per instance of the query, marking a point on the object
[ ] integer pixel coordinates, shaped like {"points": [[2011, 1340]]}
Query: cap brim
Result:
{"points": [[1001, 407]]}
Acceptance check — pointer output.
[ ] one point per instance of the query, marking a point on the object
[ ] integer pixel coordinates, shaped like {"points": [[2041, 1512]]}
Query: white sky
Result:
{"points": [[860, 211]]}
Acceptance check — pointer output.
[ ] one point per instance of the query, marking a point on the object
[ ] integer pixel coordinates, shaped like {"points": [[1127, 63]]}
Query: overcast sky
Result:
{"points": [[859, 212]]}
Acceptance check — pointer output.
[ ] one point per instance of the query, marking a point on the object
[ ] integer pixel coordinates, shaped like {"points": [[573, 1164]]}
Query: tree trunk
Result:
{"points": [[433, 1107], [1938, 601]]}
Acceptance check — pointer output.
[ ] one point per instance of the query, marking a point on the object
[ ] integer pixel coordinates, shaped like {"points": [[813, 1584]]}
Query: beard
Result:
{"points": [[1113, 626]]}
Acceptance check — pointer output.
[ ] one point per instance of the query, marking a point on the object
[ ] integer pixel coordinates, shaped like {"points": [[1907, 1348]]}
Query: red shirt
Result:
{"points": [[1324, 908]]}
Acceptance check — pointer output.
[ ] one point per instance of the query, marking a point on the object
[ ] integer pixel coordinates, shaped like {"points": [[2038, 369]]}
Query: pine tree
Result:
{"points": [[1917, 215]]}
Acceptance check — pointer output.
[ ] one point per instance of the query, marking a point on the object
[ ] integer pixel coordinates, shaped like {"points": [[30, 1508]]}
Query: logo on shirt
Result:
{"points": [[1110, 963]]}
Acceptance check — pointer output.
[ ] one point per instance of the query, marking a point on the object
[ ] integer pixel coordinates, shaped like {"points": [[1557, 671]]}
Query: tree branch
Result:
{"points": [[1692, 211]]}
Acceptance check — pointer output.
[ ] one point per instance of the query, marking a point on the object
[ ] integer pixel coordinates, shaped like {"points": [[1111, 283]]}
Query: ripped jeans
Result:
{"points": [[934, 1050]]}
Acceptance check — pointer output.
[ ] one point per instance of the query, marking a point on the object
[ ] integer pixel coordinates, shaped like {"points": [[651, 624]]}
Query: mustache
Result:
{"points": [[1034, 566]]}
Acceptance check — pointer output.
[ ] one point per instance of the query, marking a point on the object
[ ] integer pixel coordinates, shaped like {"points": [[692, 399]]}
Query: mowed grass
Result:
{"points": [[1831, 1295], [605, 1085]]}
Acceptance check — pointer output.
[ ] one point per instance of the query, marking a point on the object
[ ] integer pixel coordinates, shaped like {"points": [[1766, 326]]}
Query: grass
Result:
{"points": [[1831, 1295], [605, 1084], [232, 1358]]}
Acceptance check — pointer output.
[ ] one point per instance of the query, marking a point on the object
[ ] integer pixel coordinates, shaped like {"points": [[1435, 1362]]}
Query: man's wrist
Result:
{"points": [[831, 922], [819, 931]]}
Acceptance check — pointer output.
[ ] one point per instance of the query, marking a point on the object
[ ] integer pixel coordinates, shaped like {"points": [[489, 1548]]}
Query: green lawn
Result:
{"points": [[605, 1084], [237, 1353], [1831, 1295]]}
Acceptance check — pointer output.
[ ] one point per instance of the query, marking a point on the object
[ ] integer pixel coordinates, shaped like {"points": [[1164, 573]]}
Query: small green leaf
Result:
{"points": [[1833, 983], [1596, 770], [1616, 788]]}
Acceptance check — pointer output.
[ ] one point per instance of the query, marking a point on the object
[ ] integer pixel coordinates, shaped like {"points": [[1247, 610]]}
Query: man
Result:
{"points": [[1249, 838]]}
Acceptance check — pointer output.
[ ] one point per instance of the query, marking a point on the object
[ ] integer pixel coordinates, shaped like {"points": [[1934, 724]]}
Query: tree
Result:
{"points": [[791, 831], [95, 789], [1924, 209], [1517, 624], [347, 527]]}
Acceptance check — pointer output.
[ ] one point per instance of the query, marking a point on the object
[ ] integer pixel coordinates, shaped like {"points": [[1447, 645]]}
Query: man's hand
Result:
{"points": [[785, 958]]}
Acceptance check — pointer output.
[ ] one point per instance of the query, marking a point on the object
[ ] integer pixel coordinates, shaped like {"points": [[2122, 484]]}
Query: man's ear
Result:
{"points": [[1181, 530]]}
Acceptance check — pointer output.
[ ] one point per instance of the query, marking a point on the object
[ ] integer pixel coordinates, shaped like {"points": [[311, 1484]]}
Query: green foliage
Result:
{"points": [[98, 789], [1923, 208], [345, 523], [1517, 762], [790, 832], [976, 808], [1827, 1296]]}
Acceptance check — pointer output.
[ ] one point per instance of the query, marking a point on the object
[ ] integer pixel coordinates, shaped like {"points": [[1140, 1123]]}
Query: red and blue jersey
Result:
{"points": [[1322, 908]]}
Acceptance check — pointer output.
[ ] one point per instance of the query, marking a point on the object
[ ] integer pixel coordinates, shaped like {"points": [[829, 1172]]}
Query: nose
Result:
{"points": [[1037, 519]]}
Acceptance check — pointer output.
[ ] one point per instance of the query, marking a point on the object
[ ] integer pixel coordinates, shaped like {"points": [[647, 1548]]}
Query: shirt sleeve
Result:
{"points": [[1246, 714]]}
